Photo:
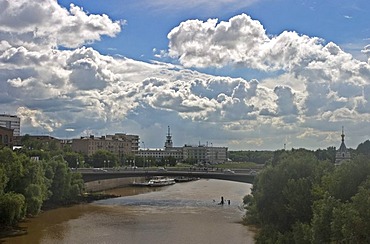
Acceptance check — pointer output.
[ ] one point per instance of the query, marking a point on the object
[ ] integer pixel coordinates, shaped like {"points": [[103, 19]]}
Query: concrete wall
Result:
{"points": [[101, 185]]}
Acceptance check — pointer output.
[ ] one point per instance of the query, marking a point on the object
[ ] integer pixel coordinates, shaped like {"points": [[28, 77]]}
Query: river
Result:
{"points": [[182, 213]]}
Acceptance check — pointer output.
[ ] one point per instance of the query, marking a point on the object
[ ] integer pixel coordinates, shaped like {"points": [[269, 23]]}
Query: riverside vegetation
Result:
{"points": [[26, 185], [39, 176], [298, 198]]}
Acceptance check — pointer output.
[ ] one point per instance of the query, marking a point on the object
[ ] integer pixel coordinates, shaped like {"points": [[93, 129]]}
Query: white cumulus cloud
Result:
{"points": [[314, 86]]}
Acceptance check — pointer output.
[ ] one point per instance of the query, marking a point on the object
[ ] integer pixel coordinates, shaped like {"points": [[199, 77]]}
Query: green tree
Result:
{"points": [[33, 185], [364, 148], [322, 217], [12, 167], [3, 180], [282, 198], [77, 186], [74, 160], [102, 158], [34, 198], [344, 181], [12, 208], [350, 221], [65, 186], [61, 182]]}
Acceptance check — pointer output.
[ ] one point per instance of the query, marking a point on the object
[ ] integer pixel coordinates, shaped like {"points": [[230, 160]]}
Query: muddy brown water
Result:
{"points": [[184, 213]]}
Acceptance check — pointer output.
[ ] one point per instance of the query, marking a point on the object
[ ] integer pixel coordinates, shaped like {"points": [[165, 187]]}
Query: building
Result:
{"points": [[119, 144], [6, 137], [205, 154], [193, 154], [11, 122], [38, 141], [169, 151], [342, 153]]}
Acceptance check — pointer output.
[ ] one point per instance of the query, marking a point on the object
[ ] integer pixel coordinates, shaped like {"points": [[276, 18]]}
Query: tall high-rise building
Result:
{"points": [[11, 122]]}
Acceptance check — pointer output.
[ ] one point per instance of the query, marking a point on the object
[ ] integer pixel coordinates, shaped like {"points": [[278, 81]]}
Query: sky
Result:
{"points": [[245, 74]]}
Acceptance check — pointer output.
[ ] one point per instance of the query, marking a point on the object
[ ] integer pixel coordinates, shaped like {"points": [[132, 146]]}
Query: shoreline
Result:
{"points": [[11, 231]]}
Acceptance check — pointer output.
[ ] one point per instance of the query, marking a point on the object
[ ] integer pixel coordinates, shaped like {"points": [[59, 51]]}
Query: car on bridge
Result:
{"points": [[99, 170], [229, 171]]}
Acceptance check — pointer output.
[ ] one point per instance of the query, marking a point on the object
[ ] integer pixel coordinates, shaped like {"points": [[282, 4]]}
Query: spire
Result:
{"points": [[342, 153], [342, 134], [168, 142]]}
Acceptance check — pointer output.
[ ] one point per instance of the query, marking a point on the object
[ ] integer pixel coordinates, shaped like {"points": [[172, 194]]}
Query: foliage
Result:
{"points": [[12, 167], [326, 154], [3, 180], [64, 186], [364, 148], [302, 198], [103, 159], [12, 208], [25, 184], [74, 160]]}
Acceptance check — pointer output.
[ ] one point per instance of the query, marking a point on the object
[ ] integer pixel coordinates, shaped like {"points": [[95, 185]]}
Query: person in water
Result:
{"points": [[222, 201]]}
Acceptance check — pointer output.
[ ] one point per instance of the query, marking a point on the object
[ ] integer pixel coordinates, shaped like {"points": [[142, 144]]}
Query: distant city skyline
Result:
{"points": [[248, 75]]}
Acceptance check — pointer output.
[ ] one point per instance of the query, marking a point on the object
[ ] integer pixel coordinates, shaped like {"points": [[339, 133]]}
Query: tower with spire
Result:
{"points": [[342, 153], [168, 143]]}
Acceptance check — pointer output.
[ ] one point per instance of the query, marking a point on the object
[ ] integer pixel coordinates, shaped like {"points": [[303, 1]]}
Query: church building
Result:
{"points": [[342, 153]]}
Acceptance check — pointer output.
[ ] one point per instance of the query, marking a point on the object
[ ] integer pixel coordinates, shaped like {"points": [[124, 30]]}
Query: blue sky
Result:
{"points": [[248, 75], [343, 22]]}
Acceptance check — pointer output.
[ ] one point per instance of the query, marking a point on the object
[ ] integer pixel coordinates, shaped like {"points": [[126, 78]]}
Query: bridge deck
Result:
{"points": [[111, 174]]}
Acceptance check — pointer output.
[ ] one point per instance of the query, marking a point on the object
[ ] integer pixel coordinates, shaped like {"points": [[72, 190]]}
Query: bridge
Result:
{"points": [[90, 175]]}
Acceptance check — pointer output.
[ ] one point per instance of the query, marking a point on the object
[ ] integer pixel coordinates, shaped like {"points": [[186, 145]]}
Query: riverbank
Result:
{"points": [[11, 231], [86, 198]]}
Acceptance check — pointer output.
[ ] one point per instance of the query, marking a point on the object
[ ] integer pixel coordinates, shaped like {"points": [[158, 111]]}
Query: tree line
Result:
{"points": [[27, 184], [302, 197]]}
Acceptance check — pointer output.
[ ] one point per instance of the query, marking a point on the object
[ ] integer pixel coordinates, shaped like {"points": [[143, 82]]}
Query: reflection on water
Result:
{"points": [[181, 213]]}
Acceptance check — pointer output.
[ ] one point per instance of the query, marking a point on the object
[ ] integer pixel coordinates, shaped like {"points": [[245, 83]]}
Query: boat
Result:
{"points": [[161, 181], [185, 179], [156, 181]]}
